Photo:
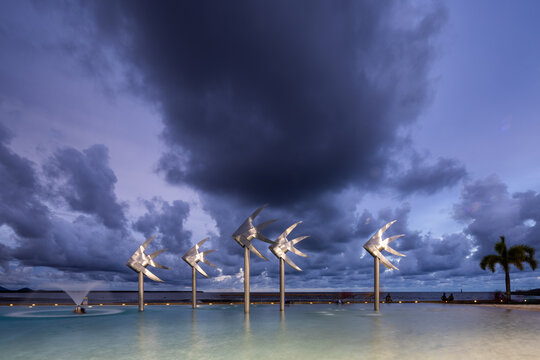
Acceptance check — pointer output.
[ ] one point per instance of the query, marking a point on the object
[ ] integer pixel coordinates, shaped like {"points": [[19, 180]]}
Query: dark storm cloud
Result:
{"points": [[167, 220], [86, 182], [20, 206], [429, 178], [42, 238], [81, 245], [489, 211], [276, 100], [437, 254]]}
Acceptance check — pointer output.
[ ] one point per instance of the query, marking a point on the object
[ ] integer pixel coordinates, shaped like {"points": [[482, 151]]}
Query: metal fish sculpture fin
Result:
{"points": [[256, 252], [154, 254], [139, 260], [194, 256], [157, 265], [376, 244], [290, 262], [150, 275], [204, 260], [294, 250], [290, 229], [199, 269], [148, 241], [389, 249]]}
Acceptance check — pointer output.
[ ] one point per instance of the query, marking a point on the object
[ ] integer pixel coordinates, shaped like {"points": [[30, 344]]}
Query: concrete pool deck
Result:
{"points": [[531, 307], [515, 306]]}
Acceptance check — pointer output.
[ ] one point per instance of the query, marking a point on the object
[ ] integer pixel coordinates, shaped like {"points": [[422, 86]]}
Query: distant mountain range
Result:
{"points": [[535, 292], [20, 290]]}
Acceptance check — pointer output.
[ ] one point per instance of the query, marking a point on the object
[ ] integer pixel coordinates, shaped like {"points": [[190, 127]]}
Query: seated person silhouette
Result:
{"points": [[451, 297], [388, 298], [443, 297]]}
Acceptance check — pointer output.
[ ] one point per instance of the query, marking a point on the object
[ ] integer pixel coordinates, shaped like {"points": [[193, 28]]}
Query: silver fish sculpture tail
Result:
{"points": [[376, 244], [282, 245]]}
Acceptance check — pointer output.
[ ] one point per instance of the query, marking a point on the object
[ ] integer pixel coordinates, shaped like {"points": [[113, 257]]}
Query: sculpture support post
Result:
{"points": [[141, 291], [376, 283], [281, 284], [193, 288], [246, 280]]}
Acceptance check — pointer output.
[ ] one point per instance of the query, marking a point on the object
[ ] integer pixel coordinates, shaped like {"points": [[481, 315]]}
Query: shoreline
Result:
{"points": [[514, 306]]}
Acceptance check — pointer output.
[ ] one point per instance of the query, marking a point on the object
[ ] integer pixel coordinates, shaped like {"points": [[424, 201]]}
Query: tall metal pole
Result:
{"points": [[193, 288], [246, 280], [376, 284], [141, 291], [281, 284]]}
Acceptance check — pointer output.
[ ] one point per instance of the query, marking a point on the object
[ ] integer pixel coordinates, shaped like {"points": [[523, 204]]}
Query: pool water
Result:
{"points": [[398, 331]]}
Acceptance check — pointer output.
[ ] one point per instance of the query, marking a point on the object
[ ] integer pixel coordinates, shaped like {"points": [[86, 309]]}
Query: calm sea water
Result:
{"points": [[398, 331]]}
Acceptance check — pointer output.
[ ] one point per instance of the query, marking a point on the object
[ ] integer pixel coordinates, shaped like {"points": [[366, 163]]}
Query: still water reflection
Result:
{"points": [[404, 331]]}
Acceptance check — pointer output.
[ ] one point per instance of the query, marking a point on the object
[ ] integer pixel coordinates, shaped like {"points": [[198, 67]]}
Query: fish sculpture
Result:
{"points": [[193, 257], [376, 244], [247, 232], [139, 260], [282, 245]]}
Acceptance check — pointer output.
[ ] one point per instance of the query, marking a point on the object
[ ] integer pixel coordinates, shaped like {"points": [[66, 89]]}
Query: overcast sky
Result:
{"points": [[124, 119]]}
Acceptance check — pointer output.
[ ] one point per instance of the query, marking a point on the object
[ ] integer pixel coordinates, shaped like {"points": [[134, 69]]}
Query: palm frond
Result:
{"points": [[490, 261], [500, 247], [530, 257], [520, 254]]}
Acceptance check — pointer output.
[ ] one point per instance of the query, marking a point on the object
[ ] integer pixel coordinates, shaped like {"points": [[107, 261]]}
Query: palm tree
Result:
{"points": [[516, 255]]}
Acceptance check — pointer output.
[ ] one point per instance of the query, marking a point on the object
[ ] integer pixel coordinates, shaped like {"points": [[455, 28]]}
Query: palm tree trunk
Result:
{"points": [[507, 279]]}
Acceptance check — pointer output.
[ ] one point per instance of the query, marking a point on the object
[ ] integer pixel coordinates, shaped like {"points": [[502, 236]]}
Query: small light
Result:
{"points": [[123, 304], [251, 303], [100, 304], [10, 304], [474, 300], [230, 303], [210, 303], [271, 303], [30, 307], [167, 304], [145, 304], [416, 301], [365, 302], [33, 304], [382, 302], [525, 300], [501, 301], [329, 302], [348, 302], [90, 306], [55, 304], [311, 303], [400, 301]]}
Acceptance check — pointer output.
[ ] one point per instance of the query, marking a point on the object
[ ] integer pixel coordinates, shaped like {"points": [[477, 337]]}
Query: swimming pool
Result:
{"points": [[400, 331]]}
